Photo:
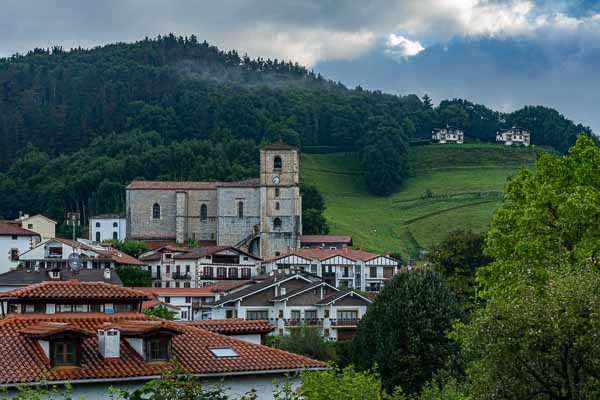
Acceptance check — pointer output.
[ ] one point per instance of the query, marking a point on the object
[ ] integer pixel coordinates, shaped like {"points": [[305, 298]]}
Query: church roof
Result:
{"points": [[278, 146], [183, 185]]}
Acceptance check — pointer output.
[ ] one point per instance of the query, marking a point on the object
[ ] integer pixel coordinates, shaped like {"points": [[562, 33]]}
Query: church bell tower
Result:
{"points": [[281, 204]]}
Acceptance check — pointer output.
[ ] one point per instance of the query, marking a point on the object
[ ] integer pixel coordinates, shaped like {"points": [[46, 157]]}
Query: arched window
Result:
{"points": [[276, 192], [203, 212], [277, 205], [240, 209], [115, 225], [97, 224], [277, 162], [97, 236], [115, 235], [156, 211], [277, 224]]}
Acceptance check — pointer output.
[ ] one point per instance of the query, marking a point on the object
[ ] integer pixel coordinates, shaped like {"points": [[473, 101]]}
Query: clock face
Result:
{"points": [[276, 180]]}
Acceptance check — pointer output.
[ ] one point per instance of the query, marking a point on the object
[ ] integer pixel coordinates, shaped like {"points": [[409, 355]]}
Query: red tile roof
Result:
{"points": [[323, 254], [10, 228], [44, 329], [118, 257], [183, 185], [325, 239], [23, 360], [199, 291], [75, 290], [233, 326]]}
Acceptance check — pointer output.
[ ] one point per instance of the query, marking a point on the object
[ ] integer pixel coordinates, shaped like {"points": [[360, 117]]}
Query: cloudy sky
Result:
{"points": [[502, 53]]}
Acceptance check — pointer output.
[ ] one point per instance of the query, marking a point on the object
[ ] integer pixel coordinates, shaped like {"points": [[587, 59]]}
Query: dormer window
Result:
{"points": [[65, 353], [158, 348], [55, 274], [223, 352]]}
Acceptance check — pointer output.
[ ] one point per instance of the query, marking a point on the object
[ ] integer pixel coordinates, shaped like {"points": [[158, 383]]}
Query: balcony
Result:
{"points": [[344, 322], [181, 275], [303, 322]]}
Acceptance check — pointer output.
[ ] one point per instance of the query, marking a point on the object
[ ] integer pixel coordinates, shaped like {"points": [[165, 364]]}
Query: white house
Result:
{"points": [[342, 268], [514, 135], [292, 300], [188, 301], [14, 241], [54, 254], [39, 224], [186, 267], [107, 227], [448, 135]]}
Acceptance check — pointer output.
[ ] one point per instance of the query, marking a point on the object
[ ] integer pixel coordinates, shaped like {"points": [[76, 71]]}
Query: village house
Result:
{"points": [[342, 268], [448, 135], [187, 301], [107, 227], [187, 267], [21, 277], [88, 334], [514, 135], [325, 241], [42, 225], [14, 241], [292, 300], [253, 331], [53, 254], [261, 216]]}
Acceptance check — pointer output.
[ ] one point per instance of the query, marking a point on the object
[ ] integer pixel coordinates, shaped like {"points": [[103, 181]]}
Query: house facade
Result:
{"points": [[14, 241], [262, 216], [325, 241], [514, 135], [106, 227], [448, 135], [289, 301], [342, 268], [43, 226], [20, 277], [185, 267], [95, 349]]}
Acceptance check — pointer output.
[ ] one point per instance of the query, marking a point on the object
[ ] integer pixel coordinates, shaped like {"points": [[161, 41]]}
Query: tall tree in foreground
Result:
{"points": [[404, 330]]}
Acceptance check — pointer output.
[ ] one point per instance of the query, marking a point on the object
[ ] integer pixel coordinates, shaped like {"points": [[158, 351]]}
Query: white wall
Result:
{"points": [[22, 243], [107, 229]]}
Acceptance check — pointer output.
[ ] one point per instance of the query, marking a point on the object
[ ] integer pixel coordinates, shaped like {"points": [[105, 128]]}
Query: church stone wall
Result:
{"points": [[232, 229], [140, 221], [196, 228]]}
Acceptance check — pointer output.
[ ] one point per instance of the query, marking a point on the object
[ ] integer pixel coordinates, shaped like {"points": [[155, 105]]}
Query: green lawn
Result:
{"points": [[464, 184]]}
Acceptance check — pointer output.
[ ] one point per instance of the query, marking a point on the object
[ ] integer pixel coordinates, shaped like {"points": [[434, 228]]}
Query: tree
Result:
{"points": [[456, 116], [305, 340], [458, 257], [161, 311], [541, 345], [548, 222], [134, 276], [403, 331], [313, 207], [132, 247]]}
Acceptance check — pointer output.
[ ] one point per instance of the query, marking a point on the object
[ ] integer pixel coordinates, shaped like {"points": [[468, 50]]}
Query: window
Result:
{"points": [[245, 272], [65, 353], [277, 224], [257, 314], [115, 235], [14, 237], [221, 272], [207, 272], [55, 252], [280, 314], [373, 272], [223, 352], [230, 314], [203, 213], [310, 314], [156, 211], [295, 314], [97, 236], [277, 162], [167, 299], [176, 284], [277, 205], [124, 308], [187, 285], [347, 314], [158, 271], [35, 308], [326, 313], [188, 299], [96, 307], [157, 284], [97, 224], [326, 333], [14, 254], [29, 226], [168, 269], [178, 269], [115, 224], [233, 273], [158, 349], [240, 209], [187, 269], [276, 192]]}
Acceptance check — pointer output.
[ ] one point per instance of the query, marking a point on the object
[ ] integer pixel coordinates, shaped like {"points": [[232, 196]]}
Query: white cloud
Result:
{"points": [[399, 47]]}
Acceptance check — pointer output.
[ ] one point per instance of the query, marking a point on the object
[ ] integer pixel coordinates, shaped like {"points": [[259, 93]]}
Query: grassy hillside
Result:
{"points": [[450, 187]]}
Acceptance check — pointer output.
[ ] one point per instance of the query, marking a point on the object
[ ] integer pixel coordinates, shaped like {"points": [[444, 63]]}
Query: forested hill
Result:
{"points": [[76, 126]]}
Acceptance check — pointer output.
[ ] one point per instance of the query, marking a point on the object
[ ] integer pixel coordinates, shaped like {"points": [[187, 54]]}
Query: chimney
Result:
{"points": [[109, 342], [107, 274]]}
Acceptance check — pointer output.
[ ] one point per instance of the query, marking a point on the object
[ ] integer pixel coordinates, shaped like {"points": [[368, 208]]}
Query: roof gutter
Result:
{"points": [[150, 377]]}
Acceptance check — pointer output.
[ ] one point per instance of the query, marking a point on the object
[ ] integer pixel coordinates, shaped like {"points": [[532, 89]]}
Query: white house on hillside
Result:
{"points": [[448, 135], [107, 227], [514, 135], [14, 241]]}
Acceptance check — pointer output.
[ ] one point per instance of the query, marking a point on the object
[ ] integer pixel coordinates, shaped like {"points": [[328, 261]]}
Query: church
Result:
{"points": [[262, 216]]}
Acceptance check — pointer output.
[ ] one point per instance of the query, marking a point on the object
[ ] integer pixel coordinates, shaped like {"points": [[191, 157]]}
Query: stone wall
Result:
{"points": [[139, 214], [232, 229]]}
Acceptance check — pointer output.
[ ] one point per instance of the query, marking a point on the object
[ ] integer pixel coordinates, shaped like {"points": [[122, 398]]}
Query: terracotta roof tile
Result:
{"points": [[12, 228], [325, 239], [75, 290], [184, 185], [279, 145], [233, 326], [323, 254], [22, 359]]}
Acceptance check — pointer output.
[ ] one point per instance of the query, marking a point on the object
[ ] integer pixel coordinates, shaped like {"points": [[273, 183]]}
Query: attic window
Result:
{"points": [[223, 352], [65, 353]]}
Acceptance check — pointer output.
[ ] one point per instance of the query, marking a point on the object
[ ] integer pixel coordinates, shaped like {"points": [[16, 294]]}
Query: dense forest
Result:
{"points": [[76, 126]]}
